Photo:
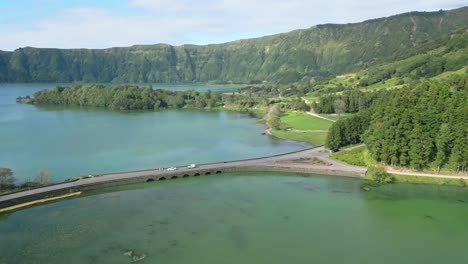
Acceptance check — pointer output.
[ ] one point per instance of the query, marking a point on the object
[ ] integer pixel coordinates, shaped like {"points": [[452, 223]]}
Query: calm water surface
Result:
{"points": [[233, 218], [245, 218], [69, 141]]}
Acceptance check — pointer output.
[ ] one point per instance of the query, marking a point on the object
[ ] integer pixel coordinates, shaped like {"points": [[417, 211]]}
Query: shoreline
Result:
{"points": [[39, 201], [269, 163]]}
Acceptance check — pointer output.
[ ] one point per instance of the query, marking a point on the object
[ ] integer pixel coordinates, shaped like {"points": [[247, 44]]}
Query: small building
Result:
{"points": [[25, 99]]}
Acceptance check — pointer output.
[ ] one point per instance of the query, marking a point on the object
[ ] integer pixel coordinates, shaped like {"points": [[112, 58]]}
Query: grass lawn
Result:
{"points": [[359, 157], [300, 121], [388, 84], [314, 138]]}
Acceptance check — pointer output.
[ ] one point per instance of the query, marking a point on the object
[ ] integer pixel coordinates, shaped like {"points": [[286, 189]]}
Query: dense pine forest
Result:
{"points": [[323, 50], [421, 127]]}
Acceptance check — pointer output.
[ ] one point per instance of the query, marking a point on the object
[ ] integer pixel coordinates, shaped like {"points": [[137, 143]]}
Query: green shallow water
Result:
{"points": [[245, 218]]}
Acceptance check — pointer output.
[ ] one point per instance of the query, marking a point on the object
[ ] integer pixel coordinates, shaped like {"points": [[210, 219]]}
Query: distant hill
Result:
{"points": [[322, 50]]}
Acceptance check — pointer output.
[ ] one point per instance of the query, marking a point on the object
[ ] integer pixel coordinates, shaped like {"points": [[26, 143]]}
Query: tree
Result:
{"points": [[7, 178], [443, 144], [299, 105], [420, 145], [43, 177], [379, 175], [275, 123], [339, 106], [335, 138]]}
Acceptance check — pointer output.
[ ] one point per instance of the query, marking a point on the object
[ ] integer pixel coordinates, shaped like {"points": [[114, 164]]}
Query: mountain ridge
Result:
{"points": [[248, 39], [325, 49]]}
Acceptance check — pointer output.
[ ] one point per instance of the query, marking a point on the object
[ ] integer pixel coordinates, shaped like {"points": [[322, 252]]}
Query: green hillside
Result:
{"points": [[321, 50], [445, 59]]}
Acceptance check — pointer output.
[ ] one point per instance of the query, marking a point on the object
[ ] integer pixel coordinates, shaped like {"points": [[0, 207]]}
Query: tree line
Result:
{"points": [[126, 97], [8, 180], [350, 101], [129, 97], [422, 127]]}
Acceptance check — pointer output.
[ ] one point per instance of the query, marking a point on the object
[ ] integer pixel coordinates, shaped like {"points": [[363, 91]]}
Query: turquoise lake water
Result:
{"points": [[68, 141]]}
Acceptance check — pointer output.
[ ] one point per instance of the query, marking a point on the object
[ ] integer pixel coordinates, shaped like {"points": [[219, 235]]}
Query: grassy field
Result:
{"points": [[388, 84], [314, 138], [359, 157], [301, 121]]}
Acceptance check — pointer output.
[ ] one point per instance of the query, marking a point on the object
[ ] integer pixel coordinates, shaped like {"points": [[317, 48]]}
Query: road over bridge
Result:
{"points": [[314, 160]]}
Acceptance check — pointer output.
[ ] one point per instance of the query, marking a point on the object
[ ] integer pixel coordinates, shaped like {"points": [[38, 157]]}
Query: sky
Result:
{"points": [[118, 23]]}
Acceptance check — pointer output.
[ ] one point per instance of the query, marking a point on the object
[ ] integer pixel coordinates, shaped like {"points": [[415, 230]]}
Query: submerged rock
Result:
{"points": [[239, 238], [429, 217], [366, 189], [93, 259], [135, 257]]}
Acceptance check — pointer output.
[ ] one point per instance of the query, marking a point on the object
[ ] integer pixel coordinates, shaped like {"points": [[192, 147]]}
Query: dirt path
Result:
{"points": [[305, 131], [319, 116], [353, 147], [421, 174], [409, 173]]}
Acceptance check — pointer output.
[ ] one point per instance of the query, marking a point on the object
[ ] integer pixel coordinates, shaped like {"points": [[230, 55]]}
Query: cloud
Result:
{"points": [[189, 21]]}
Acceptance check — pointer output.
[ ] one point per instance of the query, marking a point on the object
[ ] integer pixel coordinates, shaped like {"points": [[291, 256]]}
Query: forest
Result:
{"points": [[420, 127], [125, 97]]}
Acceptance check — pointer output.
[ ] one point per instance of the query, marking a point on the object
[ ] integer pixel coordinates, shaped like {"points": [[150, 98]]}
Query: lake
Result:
{"points": [[245, 218], [229, 218], [68, 141]]}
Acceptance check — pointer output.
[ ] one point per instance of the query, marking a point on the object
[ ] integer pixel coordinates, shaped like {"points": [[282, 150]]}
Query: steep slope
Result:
{"points": [[438, 59], [321, 50]]}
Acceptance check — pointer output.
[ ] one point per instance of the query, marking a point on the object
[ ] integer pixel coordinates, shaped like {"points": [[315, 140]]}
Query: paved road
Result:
{"points": [[279, 162]]}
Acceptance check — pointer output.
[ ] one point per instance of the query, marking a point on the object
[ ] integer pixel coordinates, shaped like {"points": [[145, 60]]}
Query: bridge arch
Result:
{"points": [[218, 172], [174, 177], [208, 173], [162, 178], [150, 180], [196, 174], [185, 176]]}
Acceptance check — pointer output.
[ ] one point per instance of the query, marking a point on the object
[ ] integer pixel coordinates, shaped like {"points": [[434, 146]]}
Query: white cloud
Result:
{"points": [[178, 21]]}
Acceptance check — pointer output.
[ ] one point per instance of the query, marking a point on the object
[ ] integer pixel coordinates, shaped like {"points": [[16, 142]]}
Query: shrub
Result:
{"points": [[379, 175]]}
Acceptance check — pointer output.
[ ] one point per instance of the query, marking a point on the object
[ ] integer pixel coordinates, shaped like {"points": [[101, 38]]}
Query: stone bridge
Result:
{"points": [[313, 160]]}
